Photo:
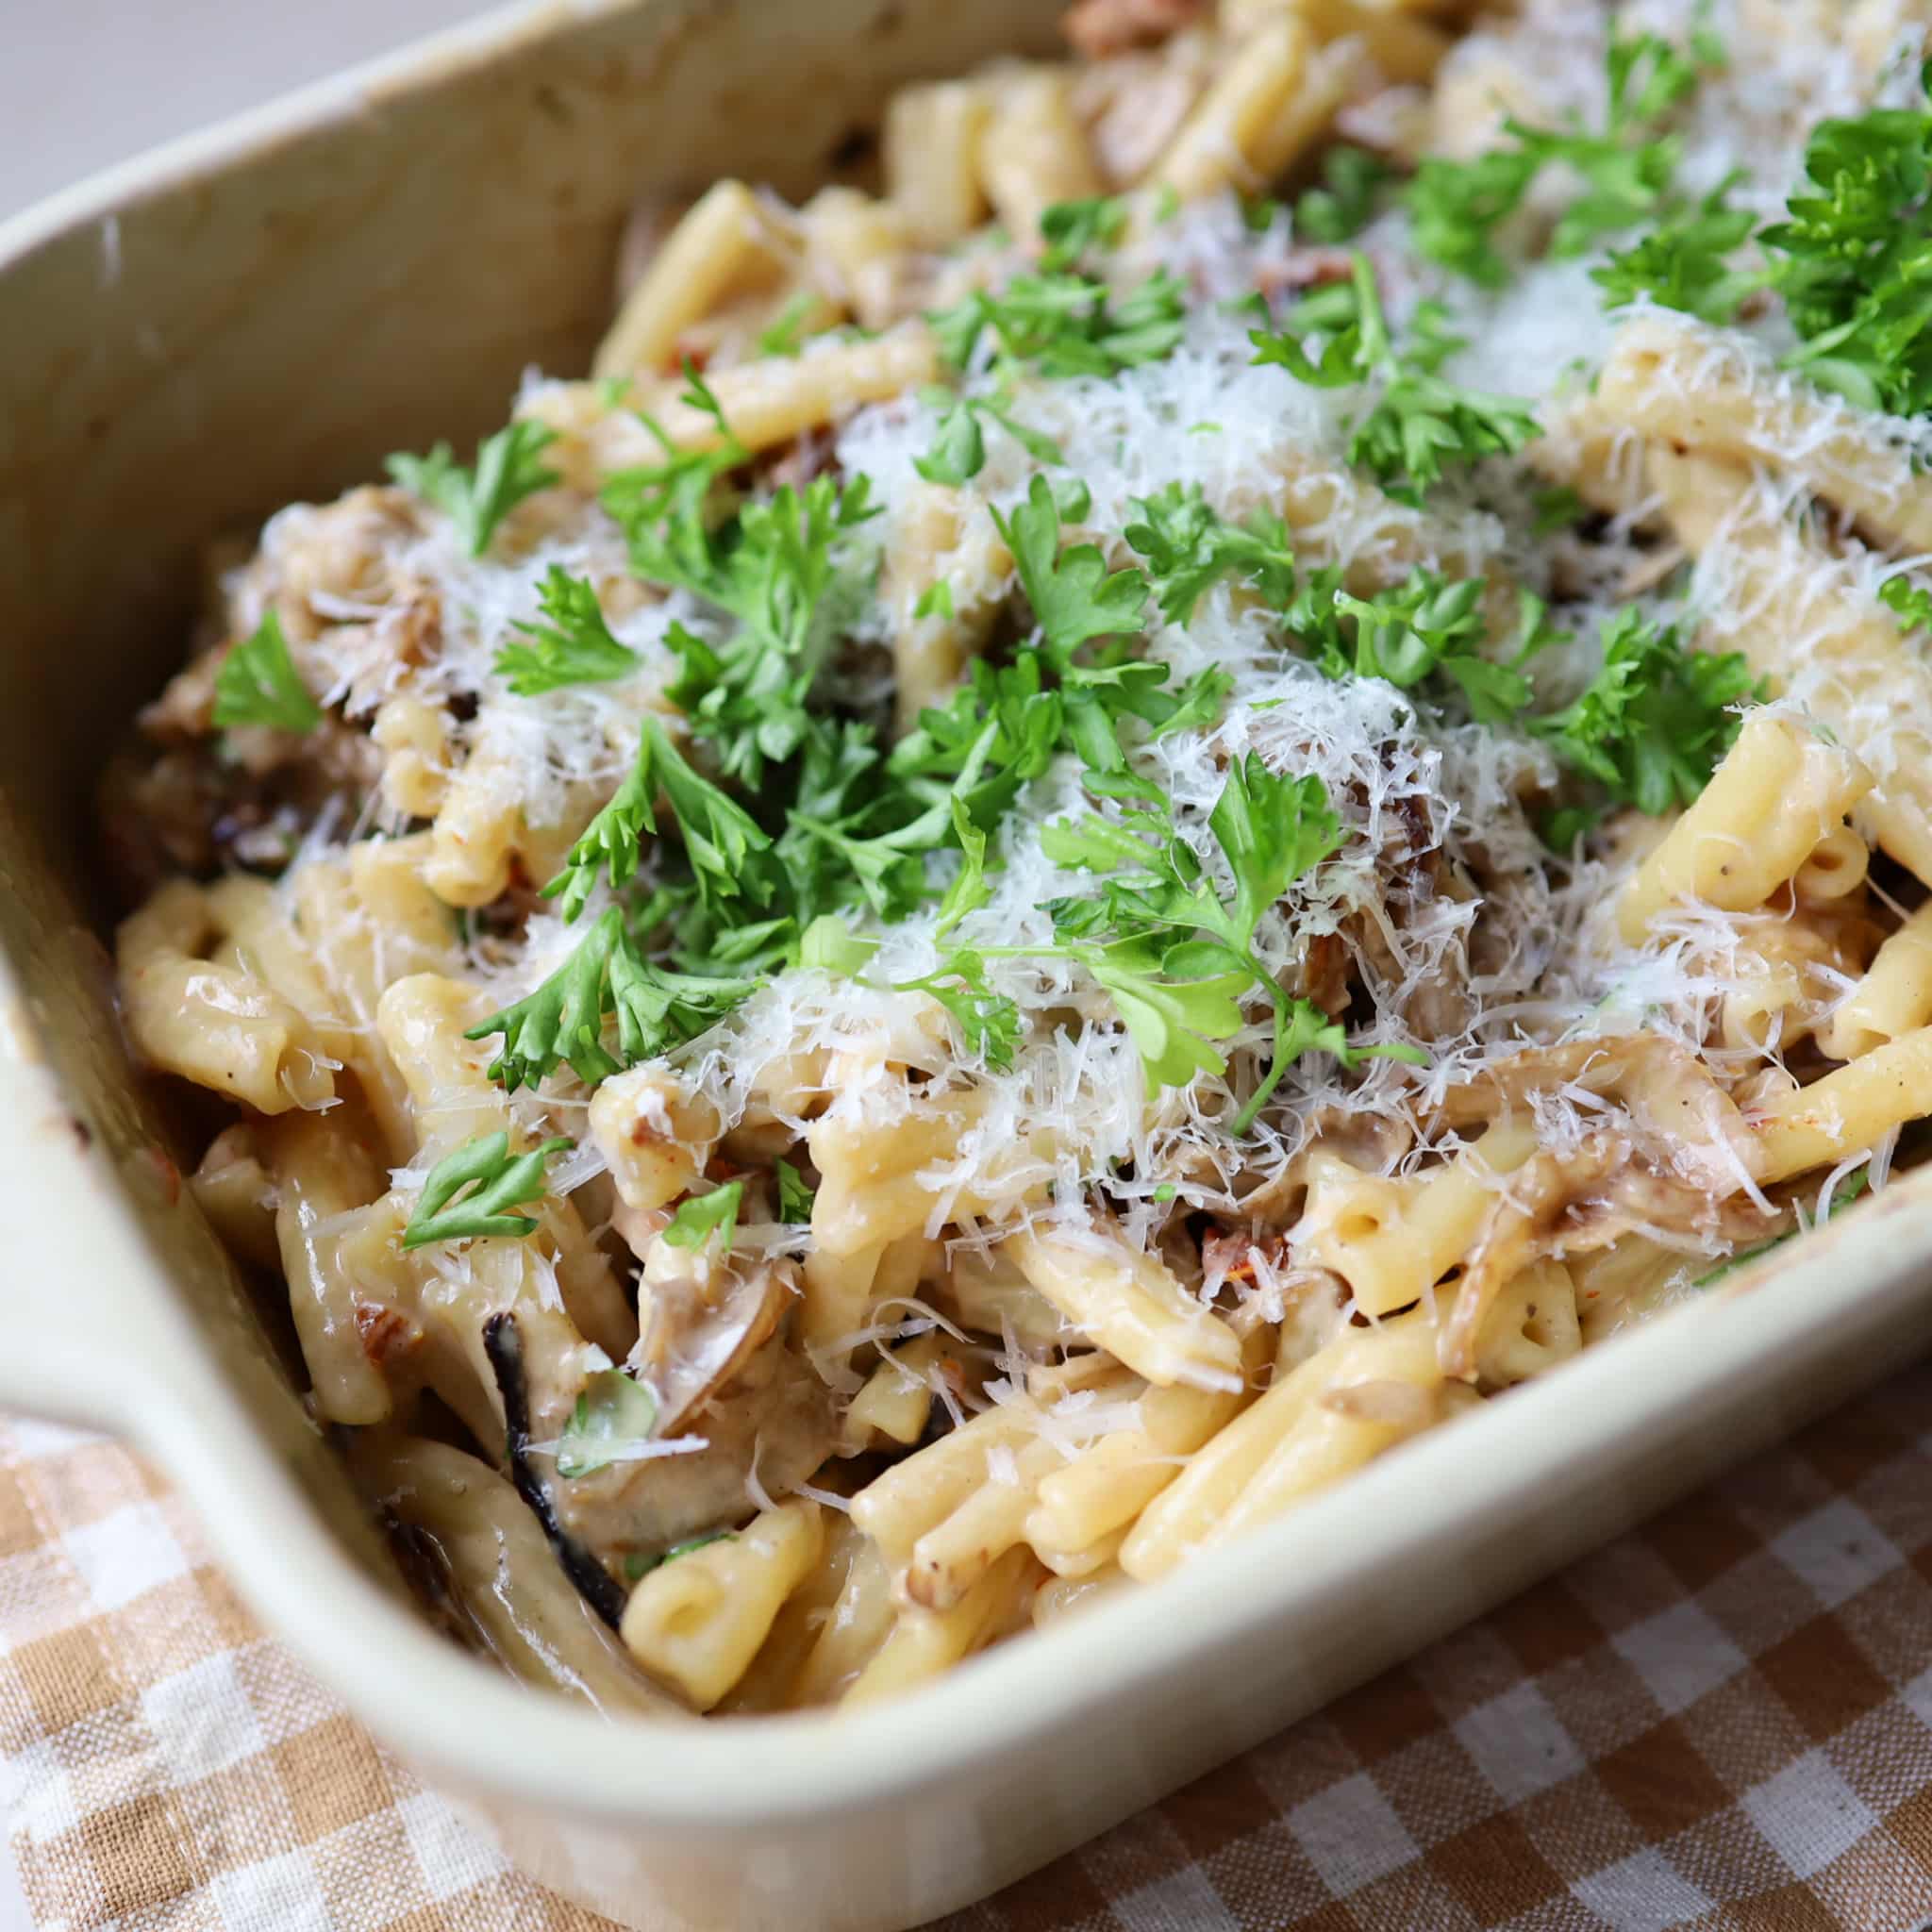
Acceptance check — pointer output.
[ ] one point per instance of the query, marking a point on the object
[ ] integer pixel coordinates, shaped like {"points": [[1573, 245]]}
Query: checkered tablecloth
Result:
{"points": [[1723, 1720]]}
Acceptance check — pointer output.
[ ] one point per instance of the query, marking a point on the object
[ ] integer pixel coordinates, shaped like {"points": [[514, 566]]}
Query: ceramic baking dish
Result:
{"points": [[257, 315]]}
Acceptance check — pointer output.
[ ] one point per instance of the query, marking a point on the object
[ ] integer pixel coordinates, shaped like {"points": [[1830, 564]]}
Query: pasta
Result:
{"points": [[1076, 849]]}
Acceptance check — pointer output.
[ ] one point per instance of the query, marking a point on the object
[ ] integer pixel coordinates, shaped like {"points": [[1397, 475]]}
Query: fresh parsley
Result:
{"points": [[614, 1412], [1681, 263], [1189, 546], [257, 684], [574, 647], [1341, 208], [796, 1195], [636, 1566], [1853, 259], [508, 468], [1065, 323], [719, 836], [1622, 170], [561, 1022], [1910, 603], [1070, 231], [1417, 423], [701, 1218], [501, 1181], [1655, 720], [784, 335]]}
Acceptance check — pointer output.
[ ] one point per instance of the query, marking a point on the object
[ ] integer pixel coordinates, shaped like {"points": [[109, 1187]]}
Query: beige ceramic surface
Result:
{"points": [[258, 315]]}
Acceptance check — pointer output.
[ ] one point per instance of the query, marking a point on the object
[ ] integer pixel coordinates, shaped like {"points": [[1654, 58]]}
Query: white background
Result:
{"points": [[84, 83]]}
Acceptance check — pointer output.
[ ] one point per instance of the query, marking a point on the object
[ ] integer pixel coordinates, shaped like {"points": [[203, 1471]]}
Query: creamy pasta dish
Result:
{"points": [[1228, 756]]}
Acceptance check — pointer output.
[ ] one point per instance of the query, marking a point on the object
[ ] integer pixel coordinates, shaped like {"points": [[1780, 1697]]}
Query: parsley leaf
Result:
{"points": [[1653, 723], [719, 836], [795, 1196], [1341, 208], [636, 1565], [988, 1022], [257, 684], [1065, 323], [1188, 546], [501, 1181], [1173, 954], [1418, 422], [700, 1217], [781, 337], [1853, 261], [562, 1020], [614, 1412], [1624, 168], [575, 646], [958, 451], [1909, 602], [1680, 264], [507, 470], [1847, 1192], [1072, 229], [1074, 597]]}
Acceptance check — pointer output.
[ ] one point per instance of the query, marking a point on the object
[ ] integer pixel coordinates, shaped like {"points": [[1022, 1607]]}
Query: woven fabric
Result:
{"points": [[1723, 1720]]}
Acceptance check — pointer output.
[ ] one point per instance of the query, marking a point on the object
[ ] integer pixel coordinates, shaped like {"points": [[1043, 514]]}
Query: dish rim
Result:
{"points": [[480, 1729]]}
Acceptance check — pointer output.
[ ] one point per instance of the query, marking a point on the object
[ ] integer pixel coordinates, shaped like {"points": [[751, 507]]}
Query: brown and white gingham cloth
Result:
{"points": [[1723, 1720]]}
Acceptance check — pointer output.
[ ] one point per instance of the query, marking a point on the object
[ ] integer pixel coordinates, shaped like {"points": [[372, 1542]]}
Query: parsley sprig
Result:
{"points": [[574, 646], [508, 468], [1062, 322], [1418, 423], [1622, 170], [1174, 951], [257, 684], [1653, 723], [499, 1182], [1853, 259], [701, 1218]]}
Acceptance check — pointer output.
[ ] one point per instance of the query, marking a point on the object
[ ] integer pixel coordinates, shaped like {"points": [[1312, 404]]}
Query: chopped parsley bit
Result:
{"points": [[616, 1412], [959, 450], [1556, 508], [575, 647], [1848, 1190], [562, 1020], [719, 836], [508, 468], [1063, 324], [770, 567], [502, 1182], [796, 1196], [257, 684], [1173, 954], [1626, 168], [1655, 720], [1853, 260], [1419, 421], [783, 337], [1680, 264], [1425, 626], [1341, 207], [1188, 546], [1909, 602], [700, 1217], [830, 945], [1165, 1191], [988, 1022], [1167, 203], [636, 1565], [1073, 229], [936, 600]]}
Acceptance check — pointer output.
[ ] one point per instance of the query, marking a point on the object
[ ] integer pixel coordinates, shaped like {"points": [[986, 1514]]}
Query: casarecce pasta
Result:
{"points": [[1104, 824]]}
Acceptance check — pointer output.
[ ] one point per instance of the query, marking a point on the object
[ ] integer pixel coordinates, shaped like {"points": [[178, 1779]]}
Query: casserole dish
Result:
{"points": [[200, 303]]}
